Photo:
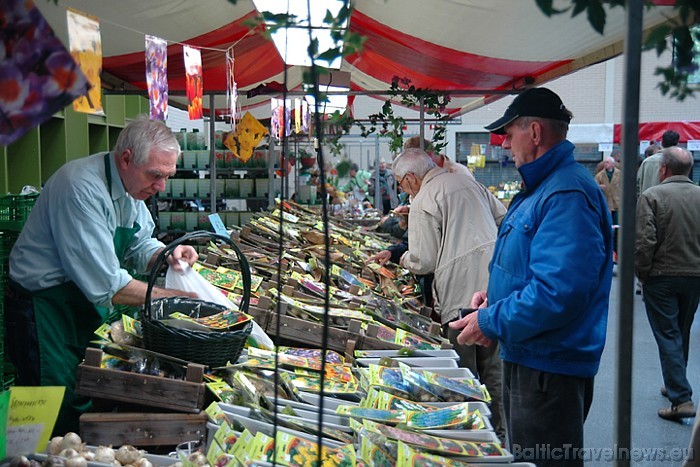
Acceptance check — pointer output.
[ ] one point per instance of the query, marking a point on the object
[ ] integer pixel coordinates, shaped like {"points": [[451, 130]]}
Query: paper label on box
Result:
{"points": [[217, 224]]}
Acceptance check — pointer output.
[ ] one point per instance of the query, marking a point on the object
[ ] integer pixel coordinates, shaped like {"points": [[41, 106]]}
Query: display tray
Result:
{"points": [[458, 373], [242, 415], [473, 405], [442, 353], [156, 460], [418, 362], [282, 403], [329, 403]]}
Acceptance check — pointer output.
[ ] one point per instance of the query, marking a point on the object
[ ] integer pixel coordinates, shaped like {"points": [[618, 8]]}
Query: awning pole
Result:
{"points": [[422, 121], [625, 312], [212, 154]]}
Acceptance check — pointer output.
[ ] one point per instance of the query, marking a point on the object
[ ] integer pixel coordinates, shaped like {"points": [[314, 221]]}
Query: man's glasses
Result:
{"points": [[403, 178]]}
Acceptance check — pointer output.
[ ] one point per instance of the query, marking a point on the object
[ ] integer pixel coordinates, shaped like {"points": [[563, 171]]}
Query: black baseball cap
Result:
{"points": [[535, 102]]}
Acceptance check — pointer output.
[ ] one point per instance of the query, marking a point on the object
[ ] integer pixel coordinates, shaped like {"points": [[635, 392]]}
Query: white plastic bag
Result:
{"points": [[189, 281]]}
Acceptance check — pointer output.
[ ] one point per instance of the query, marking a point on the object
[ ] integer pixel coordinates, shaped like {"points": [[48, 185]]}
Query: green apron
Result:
{"points": [[65, 322]]}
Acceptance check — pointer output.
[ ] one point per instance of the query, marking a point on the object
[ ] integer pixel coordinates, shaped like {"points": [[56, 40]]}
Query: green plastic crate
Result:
{"points": [[14, 211]]}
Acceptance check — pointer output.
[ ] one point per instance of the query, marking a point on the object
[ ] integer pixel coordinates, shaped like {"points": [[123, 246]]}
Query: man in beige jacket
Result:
{"points": [[451, 233]]}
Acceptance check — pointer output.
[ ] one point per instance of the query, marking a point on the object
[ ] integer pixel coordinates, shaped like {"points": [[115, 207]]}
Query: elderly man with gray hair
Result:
{"points": [[451, 233], [667, 262]]}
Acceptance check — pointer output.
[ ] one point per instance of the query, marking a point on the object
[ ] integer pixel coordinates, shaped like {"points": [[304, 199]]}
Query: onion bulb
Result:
{"points": [[197, 458], [76, 461], [67, 453], [143, 462], [128, 454], [71, 441], [55, 445], [104, 454]]}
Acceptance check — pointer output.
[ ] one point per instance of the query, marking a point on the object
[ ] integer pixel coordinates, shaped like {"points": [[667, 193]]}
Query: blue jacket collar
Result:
{"points": [[533, 173]]}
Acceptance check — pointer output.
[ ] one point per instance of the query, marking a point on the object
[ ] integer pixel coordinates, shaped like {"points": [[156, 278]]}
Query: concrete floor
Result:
{"points": [[649, 431]]}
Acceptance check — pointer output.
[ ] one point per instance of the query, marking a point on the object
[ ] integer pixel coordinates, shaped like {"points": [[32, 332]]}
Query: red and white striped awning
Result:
{"points": [[480, 47]]}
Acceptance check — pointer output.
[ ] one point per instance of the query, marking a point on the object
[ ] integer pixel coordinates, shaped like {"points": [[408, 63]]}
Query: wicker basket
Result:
{"points": [[213, 348]]}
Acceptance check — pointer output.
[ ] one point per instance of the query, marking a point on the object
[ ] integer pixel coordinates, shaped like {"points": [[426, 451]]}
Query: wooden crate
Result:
{"points": [[153, 391], [142, 429]]}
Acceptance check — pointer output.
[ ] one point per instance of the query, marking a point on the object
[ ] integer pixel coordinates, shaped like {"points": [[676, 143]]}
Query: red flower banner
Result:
{"points": [[194, 81]]}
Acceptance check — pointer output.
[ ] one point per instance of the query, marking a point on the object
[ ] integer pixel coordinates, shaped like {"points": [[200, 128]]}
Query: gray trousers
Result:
{"points": [[671, 302], [486, 365]]}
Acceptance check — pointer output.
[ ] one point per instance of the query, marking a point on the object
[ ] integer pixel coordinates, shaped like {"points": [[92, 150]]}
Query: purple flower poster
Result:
{"points": [[157, 77], [38, 76]]}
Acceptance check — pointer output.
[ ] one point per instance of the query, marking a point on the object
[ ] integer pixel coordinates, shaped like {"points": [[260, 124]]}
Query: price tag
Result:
{"points": [[694, 145], [217, 224]]}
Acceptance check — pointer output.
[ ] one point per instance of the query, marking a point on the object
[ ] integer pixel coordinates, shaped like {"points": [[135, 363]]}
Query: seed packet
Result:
{"points": [[383, 416], [407, 339], [409, 457], [383, 400], [215, 414], [392, 380], [313, 384], [331, 355], [240, 448], [216, 456], [448, 389], [226, 320], [445, 446], [226, 437], [225, 393], [373, 450], [300, 452], [262, 447], [449, 417]]}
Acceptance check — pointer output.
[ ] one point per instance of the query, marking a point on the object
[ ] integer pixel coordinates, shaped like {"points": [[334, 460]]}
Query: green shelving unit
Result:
{"points": [[66, 136]]}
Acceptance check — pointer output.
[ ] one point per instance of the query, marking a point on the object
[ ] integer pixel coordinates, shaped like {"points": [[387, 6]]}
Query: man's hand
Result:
{"points": [[479, 300], [471, 332], [182, 252], [380, 258]]}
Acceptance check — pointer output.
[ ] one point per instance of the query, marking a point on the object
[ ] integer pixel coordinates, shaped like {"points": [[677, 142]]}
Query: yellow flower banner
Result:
{"points": [[86, 49], [249, 133]]}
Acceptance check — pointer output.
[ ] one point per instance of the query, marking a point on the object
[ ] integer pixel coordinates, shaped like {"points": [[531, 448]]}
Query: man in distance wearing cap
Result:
{"points": [[549, 284]]}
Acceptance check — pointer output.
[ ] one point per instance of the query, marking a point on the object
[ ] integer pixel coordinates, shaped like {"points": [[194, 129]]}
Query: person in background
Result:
{"points": [[549, 285], [358, 183], [616, 154], [451, 233], [648, 172], [609, 181], [387, 188], [69, 265], [667, 262]]}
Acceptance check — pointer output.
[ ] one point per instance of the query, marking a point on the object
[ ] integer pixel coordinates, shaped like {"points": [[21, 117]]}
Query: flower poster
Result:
{"points": [[281, 121], [193, 81], [86, 49], [38, 77], [249, 133], [157, 77]]}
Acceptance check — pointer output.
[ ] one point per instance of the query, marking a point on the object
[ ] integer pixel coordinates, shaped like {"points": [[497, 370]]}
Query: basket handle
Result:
{"points": [[199, 234]]}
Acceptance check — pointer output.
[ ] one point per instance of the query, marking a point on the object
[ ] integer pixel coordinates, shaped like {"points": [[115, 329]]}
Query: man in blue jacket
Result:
{"points": [[547, 298]]}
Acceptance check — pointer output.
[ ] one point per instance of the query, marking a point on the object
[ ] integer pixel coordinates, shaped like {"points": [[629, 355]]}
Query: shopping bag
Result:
{"points": [[189, 280]]}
